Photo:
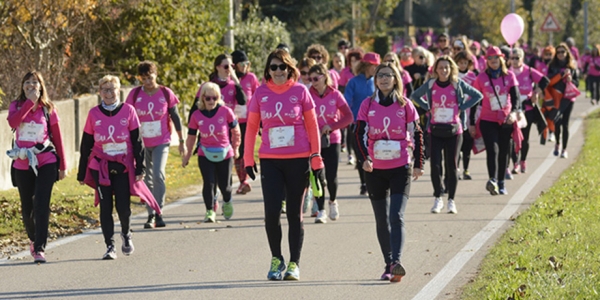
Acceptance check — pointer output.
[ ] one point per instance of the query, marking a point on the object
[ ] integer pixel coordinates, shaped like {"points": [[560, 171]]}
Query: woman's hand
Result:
{"points": [[33, 95], [472, 130], [417, 173], [61, 174], [512, 117], [326, 130], [236, 153], [185, 160], [368, 166], [139, 177], [182, 149]]}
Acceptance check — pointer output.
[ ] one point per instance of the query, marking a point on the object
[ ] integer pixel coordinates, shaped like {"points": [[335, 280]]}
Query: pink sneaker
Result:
{"points": [[39, 257], [523, 166], [387, 274], [31, 248]]}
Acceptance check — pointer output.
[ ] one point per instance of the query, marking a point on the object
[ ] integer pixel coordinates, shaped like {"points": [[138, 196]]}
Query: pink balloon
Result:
{"points": [[512, 28]]}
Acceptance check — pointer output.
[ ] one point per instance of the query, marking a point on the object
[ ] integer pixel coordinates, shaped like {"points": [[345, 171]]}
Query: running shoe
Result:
{"points": [[350, 160], [277, 268], [334, 211], [159, 222], [398, 272], [556, 150], [523, 166], [243, 189], [293, 272], [283, 209], [387, 273], [151, 223], [438, 204], [111, 253], [507, 174], [363, 189], [551, 137], [321, 217], [564, 154], [492, 187], [515, 169], [39, 257], [467, 175], [227, 210], [127, 248], [210, 216], [452, 207], [501, 188]]}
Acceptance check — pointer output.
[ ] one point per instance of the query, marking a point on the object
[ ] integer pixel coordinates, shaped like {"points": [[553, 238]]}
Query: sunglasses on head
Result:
{"points": [[210, 98], [281, 67], [315, 79]]}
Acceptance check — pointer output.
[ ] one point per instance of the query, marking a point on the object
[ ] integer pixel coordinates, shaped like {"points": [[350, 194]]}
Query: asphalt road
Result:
{"points": [[340, 260]]}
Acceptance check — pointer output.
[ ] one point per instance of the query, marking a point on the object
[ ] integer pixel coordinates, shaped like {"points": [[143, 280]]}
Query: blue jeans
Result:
{"points": [[156, 162], [389, 218]]}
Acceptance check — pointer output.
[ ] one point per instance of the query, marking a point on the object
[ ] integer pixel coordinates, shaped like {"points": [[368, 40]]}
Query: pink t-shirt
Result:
{"points": [[153, 112], [327, 109], [283, 130], [345, 76], [227, 93], [335, 78], [541, 66], [527, 77], [214, 131], [388, 124], [444, 106], [405, 79], [468, 77], [482, 64], [249, 84], [593, 61], [583, 60], [33, 130], [111, 133], [495, 109]]}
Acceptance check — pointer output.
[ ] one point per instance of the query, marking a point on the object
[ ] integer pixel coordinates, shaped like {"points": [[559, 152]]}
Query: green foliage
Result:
{"points": [[258, 36], [551, 252]]}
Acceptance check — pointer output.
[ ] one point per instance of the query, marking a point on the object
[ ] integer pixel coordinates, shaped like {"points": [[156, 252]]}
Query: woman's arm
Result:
{"points": [[417, 97], [474, 94], [16, 116]]}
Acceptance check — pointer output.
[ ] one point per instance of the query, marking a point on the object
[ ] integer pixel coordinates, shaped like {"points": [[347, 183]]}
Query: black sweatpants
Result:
{"points": [[289, 176], [331, 156], [593, 85], [35, 193], [497, 147], [119, 187], [562, 125], [359, 159], [529, 116], [466, 148], [451, 147], [389, 219], [215, 174]]}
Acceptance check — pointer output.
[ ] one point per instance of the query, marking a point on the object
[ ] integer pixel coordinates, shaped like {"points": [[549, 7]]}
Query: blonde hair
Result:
{"points": [[109, 79], [209, 87], [453, 77], [398, 90]]}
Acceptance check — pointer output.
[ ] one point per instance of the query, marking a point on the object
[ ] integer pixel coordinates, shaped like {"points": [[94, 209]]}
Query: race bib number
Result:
{"points": [[497, 103], [240, 111], [113, 149], [386, 150], [282, 136], [151, 129], [31, 132], [443, 115]]}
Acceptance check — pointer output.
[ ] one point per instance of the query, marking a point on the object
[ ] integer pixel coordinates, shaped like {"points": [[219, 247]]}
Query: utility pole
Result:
{"points": [[353, 32], [585, 24], [228, 39], [407, 20]]}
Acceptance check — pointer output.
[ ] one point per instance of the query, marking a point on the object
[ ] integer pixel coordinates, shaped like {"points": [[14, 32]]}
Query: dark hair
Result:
{"points": [[463, 55], [217, 63], [571, 63], [44, 100], [146, 67], [317, 49], [321, 70], [357, 53], [285, 57], [306, 62], [343, 42]]}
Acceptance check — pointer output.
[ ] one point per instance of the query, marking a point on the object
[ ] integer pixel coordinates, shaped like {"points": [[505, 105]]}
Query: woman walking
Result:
{"points": [[466, 74], [38, 158], [214, 122], [289, 150], [390, 145]]}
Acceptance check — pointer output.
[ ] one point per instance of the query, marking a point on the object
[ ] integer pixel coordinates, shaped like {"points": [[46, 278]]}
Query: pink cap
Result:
{"points": [[493, 51], [372, 58], [476, 44]]}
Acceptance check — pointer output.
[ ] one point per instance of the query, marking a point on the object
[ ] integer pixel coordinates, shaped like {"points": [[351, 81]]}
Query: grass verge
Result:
{"points": [[72, 205], [552, 251]]}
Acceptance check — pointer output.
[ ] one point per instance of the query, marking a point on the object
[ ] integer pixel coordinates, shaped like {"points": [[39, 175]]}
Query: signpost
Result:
{"points": [[550, 25]]}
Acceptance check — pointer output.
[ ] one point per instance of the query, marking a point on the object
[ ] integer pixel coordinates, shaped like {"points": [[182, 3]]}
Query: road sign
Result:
{"points": [[550, 24]]}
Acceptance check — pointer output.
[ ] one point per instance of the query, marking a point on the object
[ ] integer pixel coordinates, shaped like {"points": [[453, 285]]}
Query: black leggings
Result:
{"points": [[529, 115], [593, 85], [35, 193], [215, 174], [389, 220], [331, 156], [119, 186], [466, 148], [359, 159], [289, 176], [350, 140], [497, 146], [562, 125], [451, 147]]}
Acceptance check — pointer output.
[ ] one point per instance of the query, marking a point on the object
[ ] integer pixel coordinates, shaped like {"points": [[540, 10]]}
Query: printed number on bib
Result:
{"points": [[498, 105], [240, 111], [113, 149], [282, 136], [386, 150], [151, 129], [443, 115], [31, 132]]}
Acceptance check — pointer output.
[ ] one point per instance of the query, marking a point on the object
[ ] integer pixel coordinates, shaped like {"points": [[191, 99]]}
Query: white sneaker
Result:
{"points": [[334, 212], [564, 154], [321, 217], [438, 204], [452, 207], [551, 137]]}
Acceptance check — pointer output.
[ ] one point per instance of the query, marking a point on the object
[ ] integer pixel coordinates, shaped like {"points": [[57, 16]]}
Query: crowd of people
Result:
{"points": [[388, 115]]}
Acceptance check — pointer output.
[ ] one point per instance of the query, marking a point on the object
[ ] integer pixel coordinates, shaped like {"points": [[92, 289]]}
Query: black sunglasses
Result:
{"points": [[210, 98], [281, 67], [316, 57], [561, 52], [315, 79]]}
